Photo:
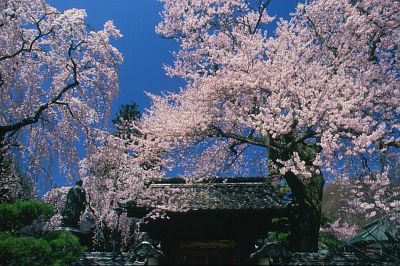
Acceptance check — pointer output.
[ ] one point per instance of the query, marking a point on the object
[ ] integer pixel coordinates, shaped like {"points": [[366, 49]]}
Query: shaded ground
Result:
{"points": [[103, 258], [336, 259]]}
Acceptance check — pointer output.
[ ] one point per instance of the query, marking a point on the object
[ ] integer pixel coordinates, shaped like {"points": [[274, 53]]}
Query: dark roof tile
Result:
{"points": [[218, 196]]}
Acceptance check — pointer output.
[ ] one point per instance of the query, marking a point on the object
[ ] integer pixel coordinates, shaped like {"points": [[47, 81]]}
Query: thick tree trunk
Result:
{"points": [[306, 216], [2, 153], [307, 194], [306, 213]]}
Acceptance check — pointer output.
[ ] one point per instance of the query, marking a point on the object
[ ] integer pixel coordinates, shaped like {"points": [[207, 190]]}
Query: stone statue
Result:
{"points": [[75, 205]]}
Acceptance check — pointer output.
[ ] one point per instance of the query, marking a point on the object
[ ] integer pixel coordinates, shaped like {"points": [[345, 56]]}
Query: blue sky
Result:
{"points": [[144, 51]]}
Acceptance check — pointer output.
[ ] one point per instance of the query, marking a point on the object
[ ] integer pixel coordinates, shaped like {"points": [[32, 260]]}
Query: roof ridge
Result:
{"points": [[238, 184]]}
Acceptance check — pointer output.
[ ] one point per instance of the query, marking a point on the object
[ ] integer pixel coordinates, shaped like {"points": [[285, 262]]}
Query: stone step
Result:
{"points": [[103, 258]]}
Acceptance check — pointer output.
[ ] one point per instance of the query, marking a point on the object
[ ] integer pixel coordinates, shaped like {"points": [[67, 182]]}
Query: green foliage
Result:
{"points": [[280, 221], [328, 241], [282, 236], [24, 251], [55, 248], [65, 248], [278, 236], [59, 248], [14, 216], [127, 112], [325, 220]]}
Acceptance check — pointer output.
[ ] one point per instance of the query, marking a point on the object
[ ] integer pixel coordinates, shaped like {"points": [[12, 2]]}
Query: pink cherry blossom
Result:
{"points": [[57, 81], [321, 96], [342, 230]]}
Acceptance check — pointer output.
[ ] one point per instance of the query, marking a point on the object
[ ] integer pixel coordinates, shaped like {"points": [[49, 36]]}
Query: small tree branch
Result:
{"points": [[263, 7], [242, 139], [29, 49], [68, 107], [32, 119]]}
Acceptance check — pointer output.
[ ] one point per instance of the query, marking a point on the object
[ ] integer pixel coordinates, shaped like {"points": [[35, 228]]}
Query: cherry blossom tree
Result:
{"points": [[374, 196], [14, 185], [321, 97], [113, 173], [57, 80], [57, 197], [341, 229]]}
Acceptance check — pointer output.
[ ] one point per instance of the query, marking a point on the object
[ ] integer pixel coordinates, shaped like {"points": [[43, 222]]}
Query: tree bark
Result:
{"points": [[306, 215], [1, 156]]}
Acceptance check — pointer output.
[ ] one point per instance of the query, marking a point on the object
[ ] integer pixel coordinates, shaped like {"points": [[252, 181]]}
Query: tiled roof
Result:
{"points": [[335, 259], [218, 196], [275, 253], [377, 230]]}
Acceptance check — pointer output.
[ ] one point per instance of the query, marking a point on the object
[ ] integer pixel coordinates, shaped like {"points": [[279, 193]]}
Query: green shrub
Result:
{"points": [[278, 236], [65, 248], [53, 248], [281, 236], [14, 216], [59, 248], [24, 251], [328, 241]]}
